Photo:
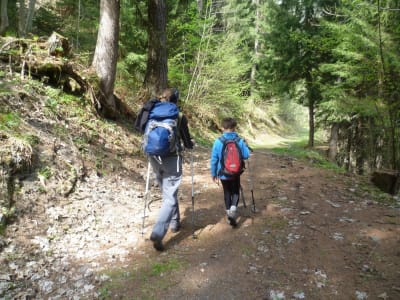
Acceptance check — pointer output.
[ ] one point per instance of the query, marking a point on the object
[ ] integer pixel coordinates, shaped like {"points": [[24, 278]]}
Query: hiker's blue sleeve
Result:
{"points": [[215, 153], [245, 150]]}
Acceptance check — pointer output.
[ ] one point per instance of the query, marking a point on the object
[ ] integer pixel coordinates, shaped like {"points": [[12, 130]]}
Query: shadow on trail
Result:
{"points": [[203, 218], [207, 220]]}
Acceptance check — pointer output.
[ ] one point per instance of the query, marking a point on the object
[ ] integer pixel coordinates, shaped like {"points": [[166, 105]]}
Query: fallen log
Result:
{"points": [[48, 60]]}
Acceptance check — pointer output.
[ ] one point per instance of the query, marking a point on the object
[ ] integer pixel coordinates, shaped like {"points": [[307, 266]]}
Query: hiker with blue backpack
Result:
{"points": [[164, 130], [227, 164]]}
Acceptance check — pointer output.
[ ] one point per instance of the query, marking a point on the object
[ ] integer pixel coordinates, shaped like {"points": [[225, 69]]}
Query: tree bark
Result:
{"points": [[21, 18], [359, 146], [257, 21], [4, 17], [157, 69], [348, 161], [333, 142], [200, 6], [311, 122], [312, 96], [106, 54], [29, 16]]}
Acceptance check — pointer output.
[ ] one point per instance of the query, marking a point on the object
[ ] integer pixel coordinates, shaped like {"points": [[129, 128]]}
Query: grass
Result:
{"points": [[143, 281], [278, 224], [9, 121], [298, 149], [45, 172]]}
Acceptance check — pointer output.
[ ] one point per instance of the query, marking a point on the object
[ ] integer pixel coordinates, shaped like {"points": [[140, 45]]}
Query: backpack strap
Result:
{"points": [[224, 139], [143, 115]]}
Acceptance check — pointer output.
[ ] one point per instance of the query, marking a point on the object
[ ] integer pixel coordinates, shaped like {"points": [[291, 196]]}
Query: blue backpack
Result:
{"points": [[161, 133]]}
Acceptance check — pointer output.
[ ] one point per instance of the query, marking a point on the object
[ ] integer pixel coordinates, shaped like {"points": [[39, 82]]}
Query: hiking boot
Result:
{"points": [[232, 215], [157, 244], [232, 221], [176, 228]]}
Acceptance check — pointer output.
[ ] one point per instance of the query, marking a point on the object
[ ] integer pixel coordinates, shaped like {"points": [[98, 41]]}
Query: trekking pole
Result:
{"points": [[192, 171], [146, 195], [253, 209]]}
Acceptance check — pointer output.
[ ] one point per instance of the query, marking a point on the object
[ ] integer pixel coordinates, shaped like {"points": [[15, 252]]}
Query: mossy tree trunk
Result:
{"points": [[106, 55], [156, 74], [4, 17]]}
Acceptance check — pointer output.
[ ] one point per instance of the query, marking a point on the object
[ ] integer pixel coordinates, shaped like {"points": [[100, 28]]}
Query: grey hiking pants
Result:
{"points": [[168, 171]]}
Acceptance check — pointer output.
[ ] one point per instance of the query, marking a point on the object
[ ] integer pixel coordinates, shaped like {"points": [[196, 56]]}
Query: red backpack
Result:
{"points": [[232, 163]]}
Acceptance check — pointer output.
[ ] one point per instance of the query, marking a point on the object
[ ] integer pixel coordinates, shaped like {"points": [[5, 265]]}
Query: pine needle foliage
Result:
{"points": [[363, 90]]}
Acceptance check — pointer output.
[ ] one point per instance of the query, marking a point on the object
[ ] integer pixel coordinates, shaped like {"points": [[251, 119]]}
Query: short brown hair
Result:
{"points": [[229, 123], [170, 95]]}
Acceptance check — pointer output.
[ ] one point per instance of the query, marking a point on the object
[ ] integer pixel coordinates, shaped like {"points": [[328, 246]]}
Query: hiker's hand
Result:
{"points": [[215, 179], [247, 144]]}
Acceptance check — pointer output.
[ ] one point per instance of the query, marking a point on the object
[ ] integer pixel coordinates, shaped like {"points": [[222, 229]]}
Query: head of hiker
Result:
{"points": [[229, 124], [170, 95]]}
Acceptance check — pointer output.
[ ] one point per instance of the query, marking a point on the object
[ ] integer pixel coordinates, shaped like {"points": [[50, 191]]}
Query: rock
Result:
{"points": [[361, 295]]}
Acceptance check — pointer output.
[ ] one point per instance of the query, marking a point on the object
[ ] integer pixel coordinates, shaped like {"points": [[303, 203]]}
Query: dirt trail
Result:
{"points": [[316, 235]]}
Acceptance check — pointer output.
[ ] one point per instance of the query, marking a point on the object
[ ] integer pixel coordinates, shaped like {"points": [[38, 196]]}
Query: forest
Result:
{"points": [[314, 86], [338, 59]]}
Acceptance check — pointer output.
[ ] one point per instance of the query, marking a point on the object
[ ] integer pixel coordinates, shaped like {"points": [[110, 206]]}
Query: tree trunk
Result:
{"points": [[156, 74], [311, 122], [311, 99], [359, 146], [348, 160], [333, 142], [257, 21], [4, 17], [21, 18], [106, 54], [29, 16], [393, 140]]}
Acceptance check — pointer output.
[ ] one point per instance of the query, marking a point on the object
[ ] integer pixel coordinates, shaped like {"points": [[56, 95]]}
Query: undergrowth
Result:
{"points": [[299, 150], [147, 279]]}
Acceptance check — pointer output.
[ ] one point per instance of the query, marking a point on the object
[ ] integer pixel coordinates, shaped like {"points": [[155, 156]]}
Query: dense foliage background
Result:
{"points": [[257, 60]]}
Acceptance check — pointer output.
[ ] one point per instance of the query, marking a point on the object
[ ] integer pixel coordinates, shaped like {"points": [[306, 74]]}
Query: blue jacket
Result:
{"points": [[216, 153]]}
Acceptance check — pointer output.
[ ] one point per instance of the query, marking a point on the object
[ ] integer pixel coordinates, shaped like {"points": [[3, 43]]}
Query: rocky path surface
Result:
{"points": [[316, 234]]}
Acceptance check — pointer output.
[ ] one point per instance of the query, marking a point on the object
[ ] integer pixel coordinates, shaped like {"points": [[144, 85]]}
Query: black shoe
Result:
{"points": [[232, 221], [157, 244]]}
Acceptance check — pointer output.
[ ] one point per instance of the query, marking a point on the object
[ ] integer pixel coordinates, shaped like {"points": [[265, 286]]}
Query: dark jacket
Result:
{"points": [[143, 115], [184, 133]]}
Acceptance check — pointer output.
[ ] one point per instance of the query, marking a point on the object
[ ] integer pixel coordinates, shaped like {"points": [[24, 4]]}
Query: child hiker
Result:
{"points": [[227, 165]]}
